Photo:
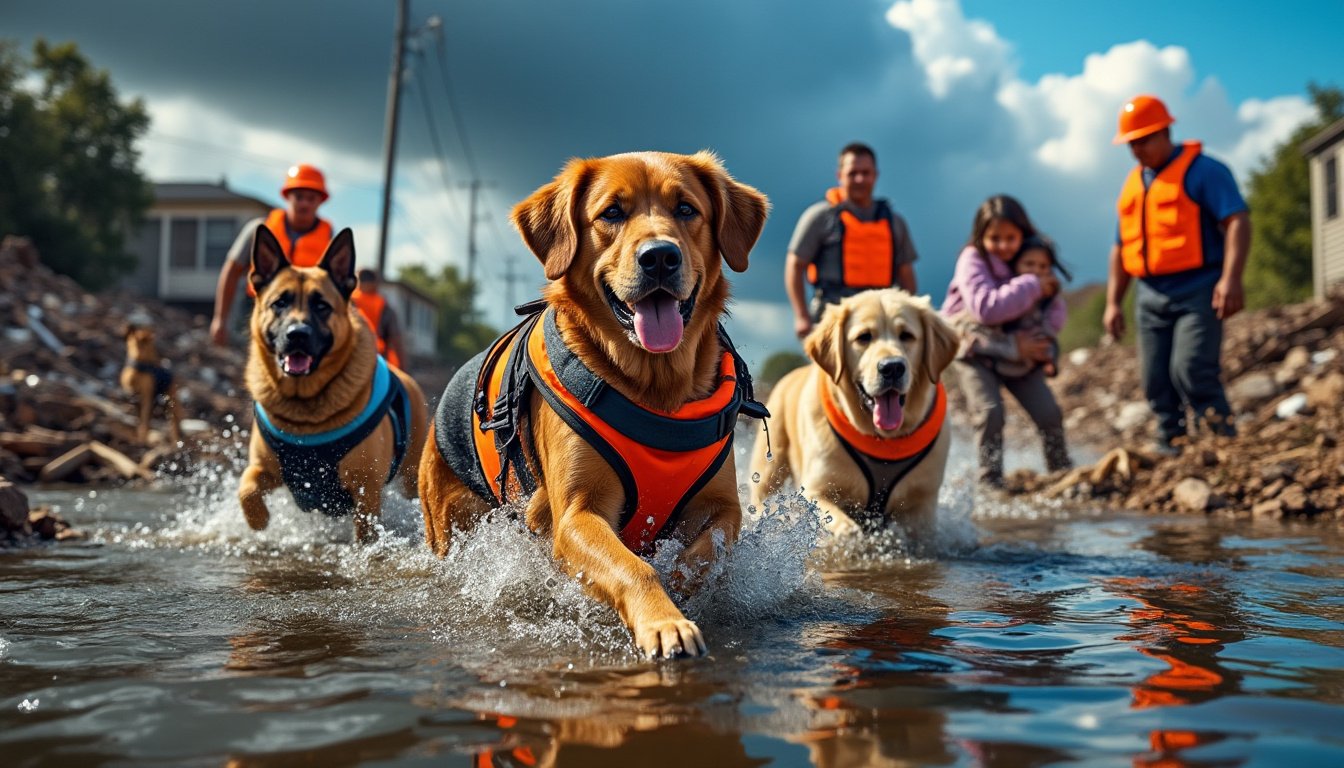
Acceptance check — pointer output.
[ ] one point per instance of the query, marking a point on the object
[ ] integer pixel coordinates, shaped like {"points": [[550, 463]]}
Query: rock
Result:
{"points": [[1294, 499], [1291, 406], [1271, 508], [1079, 356], [1132, 416], [1193, 495], [1327, 391], [13, 507], [1251, 389], [1294, 364]]}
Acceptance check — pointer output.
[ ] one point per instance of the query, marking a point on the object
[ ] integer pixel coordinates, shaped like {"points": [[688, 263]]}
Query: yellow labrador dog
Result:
{"points": [[862, 429]]}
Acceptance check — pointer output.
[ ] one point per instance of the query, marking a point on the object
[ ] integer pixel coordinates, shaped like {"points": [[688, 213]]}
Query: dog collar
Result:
{"points": [[884, 448]]}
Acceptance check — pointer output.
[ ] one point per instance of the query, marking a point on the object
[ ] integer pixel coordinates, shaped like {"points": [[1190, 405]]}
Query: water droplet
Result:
{"points": [[31, 381], [307, 485], [649, 520], [769, 455], [755, 477], [503, 683]]}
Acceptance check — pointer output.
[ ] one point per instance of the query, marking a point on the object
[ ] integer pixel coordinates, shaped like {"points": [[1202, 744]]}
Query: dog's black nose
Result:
{"points": [[891, 368], [298, 333], [659, 259]]}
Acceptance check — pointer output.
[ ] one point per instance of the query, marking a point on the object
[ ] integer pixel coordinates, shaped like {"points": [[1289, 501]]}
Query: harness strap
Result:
{"points": [[163, 378], [882, 477]]}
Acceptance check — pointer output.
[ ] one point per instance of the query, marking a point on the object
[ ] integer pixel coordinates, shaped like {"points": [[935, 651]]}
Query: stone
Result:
{"points": [[1251, 389], [1293, 405], [1193, 495], [1271, 508], [1132, 416], [1294, 364], [1326, 391], [13, 507], [1294, 499]]}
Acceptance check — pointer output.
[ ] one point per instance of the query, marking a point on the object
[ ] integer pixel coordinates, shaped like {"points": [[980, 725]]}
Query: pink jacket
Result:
{"points": [[987, 288]]}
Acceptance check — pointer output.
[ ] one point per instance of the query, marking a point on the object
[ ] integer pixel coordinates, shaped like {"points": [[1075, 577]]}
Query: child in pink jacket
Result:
{"points": [[985, 291]]}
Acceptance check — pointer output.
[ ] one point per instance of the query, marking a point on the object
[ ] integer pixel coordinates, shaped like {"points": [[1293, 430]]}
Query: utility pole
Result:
{"points": [[390, 130]]}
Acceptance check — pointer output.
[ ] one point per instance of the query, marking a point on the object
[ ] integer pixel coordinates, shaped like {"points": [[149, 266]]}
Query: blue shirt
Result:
{"points": [[1211, 186]]}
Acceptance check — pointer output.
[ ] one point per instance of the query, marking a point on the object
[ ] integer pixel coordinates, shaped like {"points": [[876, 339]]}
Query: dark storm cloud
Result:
{"points": [[774, 87]]}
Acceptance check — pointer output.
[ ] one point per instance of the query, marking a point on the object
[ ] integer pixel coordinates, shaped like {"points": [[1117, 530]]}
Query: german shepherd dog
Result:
{"points": [[633, 246], [145, 378], [334, 423]]}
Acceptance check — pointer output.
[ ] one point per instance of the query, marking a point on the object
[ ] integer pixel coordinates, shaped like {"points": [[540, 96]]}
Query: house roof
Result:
{"points": [[201, 192], [1322, 141], [413, 291]]}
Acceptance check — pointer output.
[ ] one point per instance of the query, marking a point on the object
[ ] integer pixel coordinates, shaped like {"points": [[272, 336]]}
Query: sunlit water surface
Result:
{"points": [[1027, 636]]}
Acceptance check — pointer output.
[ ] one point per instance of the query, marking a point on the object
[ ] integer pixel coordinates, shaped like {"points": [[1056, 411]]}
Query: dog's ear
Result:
{"points": [[268, 258], [339, 262], [739, 210], [548, 219], [941, 343], [826, 343]]}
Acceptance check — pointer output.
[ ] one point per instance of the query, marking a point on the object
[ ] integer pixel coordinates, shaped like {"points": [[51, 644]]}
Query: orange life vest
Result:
{"points": [[372, 306], [1160, 225], [884, 461], [863, 256], [306, 250], [662, 459]]}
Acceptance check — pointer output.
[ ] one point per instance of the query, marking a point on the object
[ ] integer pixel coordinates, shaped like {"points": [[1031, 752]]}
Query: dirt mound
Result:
{"points": [[63, 415], [1284, 371]]}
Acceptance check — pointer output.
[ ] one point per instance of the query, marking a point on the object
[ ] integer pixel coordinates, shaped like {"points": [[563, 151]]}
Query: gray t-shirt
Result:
{"points": [[241, 250], [810, 234]]}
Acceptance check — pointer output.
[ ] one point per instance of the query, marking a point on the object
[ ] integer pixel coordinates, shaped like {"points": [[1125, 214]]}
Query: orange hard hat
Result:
{"points": [[304, 176], [1141, 116]]}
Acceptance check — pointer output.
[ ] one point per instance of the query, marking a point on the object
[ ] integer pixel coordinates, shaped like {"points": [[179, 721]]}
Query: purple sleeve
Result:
{"points": [[989, 302], [1055, 315]]}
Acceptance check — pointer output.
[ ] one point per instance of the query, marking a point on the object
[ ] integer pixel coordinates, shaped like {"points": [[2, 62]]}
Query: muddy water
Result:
{"points": [[1030, 636]]}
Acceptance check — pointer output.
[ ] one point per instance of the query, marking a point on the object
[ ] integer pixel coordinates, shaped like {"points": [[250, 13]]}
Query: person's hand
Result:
{"points": [[219, 333], [1049, 286], [802, 326], [1113, 320], [1033, 347], [1228, 298]]}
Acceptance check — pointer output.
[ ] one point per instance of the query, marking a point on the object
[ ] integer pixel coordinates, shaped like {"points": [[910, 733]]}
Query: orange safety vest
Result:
{"points": [[884, 461], [1160, 225], [371, 306], [306, 250], [662, 458], [863, 257]]}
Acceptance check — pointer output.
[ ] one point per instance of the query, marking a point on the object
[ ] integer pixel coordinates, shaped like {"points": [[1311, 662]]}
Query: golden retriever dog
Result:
{"points": [[144, 378], [611, 409], [334, 423], [861, 430]]}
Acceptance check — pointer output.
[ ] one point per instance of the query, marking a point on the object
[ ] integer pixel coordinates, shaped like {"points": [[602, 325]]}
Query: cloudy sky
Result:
{"points": [[960, 98]]}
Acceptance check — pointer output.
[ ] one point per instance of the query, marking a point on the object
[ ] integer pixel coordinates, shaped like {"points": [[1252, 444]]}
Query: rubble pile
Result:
{"points": [[1284, 370], [63, 414]]}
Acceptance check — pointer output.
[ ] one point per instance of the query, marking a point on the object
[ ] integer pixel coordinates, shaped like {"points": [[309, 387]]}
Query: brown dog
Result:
{"points": [[145, 378], [862, 429], [334, 423], [631, 244]]}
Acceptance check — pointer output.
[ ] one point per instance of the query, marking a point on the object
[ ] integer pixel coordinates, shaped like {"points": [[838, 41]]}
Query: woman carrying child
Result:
{"points": [[984, 301]]}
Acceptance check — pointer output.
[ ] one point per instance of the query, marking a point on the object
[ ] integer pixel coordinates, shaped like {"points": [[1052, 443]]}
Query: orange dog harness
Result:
{"points": [[883, 461], [662, 458]]}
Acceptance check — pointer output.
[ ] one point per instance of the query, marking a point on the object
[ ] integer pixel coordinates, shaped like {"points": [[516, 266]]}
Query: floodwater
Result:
{"points": [[1028, 636]]}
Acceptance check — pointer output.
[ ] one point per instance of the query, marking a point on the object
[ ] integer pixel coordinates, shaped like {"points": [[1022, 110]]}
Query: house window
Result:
{"points": [[1332, 187], [219, 235], [183, 244]]}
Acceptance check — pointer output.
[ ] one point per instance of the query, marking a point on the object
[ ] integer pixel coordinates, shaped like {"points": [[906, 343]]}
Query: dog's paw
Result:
{"points": [[257, 519], [669, 638]]}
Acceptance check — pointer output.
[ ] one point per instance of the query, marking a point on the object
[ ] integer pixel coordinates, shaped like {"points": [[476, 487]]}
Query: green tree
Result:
{"points": [[778, 364], [1279, 268], [69, 175], [461, 331]]}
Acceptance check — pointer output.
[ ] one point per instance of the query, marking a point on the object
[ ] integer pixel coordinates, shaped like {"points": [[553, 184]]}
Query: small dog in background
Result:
{"points": [[144, 378]]}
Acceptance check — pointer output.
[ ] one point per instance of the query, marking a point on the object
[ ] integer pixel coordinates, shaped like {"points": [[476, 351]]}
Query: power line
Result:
{"points": [[433, 129], [452, 107]]}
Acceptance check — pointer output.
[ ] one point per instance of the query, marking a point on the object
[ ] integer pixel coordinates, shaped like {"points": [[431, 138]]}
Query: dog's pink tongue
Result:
{"points": [[658, 323], [297, 364], [888, 412]]}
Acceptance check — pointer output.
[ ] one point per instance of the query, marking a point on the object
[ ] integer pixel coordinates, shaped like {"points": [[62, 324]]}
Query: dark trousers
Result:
{"points": [[1180, 343], [981, 385]]}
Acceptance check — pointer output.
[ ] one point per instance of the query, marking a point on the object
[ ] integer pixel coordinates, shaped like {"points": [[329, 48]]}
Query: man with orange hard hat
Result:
{"points": [[301, 233], [1185, 234]]}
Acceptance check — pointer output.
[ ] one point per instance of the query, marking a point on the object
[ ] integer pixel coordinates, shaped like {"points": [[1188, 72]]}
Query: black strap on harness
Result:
{"points": [[882, 475], [163, 378]]}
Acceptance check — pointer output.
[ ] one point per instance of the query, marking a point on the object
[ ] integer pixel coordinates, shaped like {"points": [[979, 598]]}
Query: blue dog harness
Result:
{"points": [[309, 463]]}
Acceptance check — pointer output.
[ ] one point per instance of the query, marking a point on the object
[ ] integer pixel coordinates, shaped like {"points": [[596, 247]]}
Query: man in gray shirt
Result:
{"points": [[847, 243]]}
